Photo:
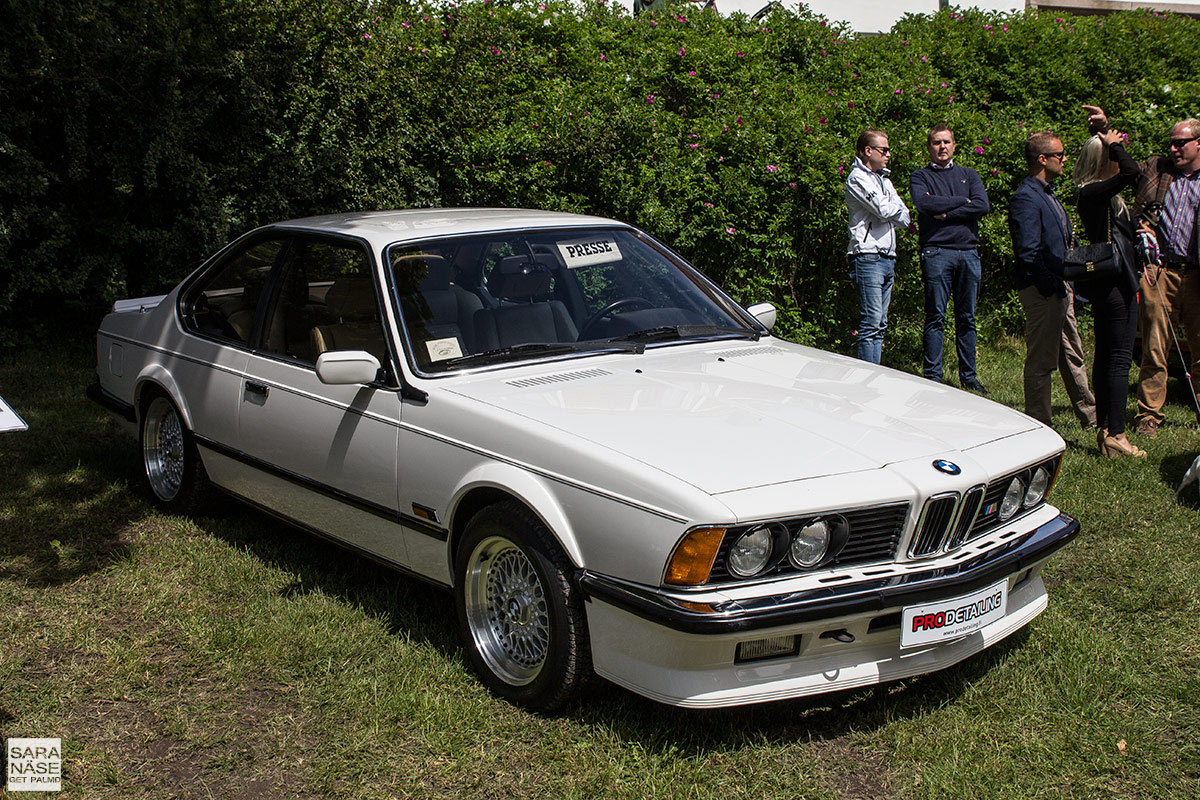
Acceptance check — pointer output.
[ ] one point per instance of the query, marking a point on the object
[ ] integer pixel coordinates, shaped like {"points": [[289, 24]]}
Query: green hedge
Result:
{"points": [[138, 136]]}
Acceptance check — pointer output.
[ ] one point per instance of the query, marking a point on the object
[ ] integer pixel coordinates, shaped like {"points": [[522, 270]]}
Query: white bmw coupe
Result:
{"points": [[611, 465]]}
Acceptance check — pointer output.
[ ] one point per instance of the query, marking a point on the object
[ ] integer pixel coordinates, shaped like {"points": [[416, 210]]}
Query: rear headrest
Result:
{"points": [[351, 297], [521, 277]]}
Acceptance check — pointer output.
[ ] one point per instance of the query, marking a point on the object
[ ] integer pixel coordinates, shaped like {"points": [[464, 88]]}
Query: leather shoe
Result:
{"points": [[1113, 448], [977, 387]]}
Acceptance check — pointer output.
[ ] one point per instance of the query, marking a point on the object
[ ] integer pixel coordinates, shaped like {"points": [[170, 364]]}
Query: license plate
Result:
{"points": [[941, 621]]}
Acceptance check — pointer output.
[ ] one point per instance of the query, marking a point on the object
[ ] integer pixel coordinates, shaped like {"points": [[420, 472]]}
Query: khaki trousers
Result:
{"points": [[1052, 342], [1177, 293]]}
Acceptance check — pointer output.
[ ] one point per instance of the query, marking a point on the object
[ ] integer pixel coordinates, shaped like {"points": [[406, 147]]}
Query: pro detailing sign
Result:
{"points": [[34, 765]]}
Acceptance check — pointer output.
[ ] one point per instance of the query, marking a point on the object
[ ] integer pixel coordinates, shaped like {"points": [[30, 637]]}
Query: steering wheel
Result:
{"points": [[609, 310]]}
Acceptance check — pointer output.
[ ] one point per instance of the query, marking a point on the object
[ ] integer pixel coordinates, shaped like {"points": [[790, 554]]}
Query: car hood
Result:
{"points": [[725, 417]]}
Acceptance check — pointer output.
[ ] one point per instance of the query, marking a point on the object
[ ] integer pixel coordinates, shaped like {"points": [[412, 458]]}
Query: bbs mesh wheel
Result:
{"points": [[170, 463], [520, 617]]}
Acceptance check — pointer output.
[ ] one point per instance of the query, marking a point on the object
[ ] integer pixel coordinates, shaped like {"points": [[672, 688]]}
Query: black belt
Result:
{"points": [[1177, 262]]}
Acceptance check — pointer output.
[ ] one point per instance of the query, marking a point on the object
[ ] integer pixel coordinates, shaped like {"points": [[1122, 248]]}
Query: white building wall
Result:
{"points": [[876, 16]]}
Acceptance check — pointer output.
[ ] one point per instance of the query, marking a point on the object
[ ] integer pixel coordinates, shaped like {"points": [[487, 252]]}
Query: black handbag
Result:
{"points": [[1091, 260]]}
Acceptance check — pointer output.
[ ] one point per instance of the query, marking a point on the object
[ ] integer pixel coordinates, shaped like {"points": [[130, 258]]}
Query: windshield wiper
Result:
{"points": [[667, 332], [505, 353]]}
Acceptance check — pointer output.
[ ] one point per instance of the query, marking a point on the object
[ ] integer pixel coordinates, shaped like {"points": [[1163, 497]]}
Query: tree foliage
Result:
{"points": [[138, 136]]}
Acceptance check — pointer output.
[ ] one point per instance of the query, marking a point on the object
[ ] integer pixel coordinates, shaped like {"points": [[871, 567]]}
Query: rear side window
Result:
{"points": [[223, 305]]}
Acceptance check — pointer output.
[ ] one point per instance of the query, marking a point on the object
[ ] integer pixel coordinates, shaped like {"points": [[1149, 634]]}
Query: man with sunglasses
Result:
{"points": [[1168, 200], [1041, 236], [876, 212]]}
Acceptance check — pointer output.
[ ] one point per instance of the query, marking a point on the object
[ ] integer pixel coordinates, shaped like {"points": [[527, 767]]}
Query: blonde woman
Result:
{"points": [[1103, 170]]}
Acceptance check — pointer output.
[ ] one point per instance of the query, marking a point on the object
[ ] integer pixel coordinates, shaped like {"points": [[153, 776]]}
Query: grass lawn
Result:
{"points": [[230, 656]]}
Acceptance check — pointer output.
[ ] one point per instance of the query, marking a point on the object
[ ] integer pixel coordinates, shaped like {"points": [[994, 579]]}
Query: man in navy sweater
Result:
{"points": [[950, 200]]}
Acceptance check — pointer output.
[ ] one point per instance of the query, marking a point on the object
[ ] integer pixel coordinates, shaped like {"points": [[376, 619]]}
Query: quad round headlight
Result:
{"points": [[1012, 499], [1036, 492], [751, 552], [810, 544]]}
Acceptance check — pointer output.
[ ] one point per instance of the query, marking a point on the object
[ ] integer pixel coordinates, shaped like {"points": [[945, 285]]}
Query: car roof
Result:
{"points": [[384, 227]]}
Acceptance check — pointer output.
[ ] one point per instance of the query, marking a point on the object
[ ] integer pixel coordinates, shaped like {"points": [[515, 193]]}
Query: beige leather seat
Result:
{"points": [[351, 301]]}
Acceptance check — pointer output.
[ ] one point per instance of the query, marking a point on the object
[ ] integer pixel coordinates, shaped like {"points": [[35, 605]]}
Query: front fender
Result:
{"points": [[524, 487]]}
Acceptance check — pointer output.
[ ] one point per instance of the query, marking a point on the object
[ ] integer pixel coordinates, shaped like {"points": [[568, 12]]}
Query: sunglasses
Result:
{"points": [[1060, 155], [1181, 143], [883, 150]]}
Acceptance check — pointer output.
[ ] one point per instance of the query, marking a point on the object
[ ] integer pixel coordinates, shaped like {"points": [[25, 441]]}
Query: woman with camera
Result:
{"points": [[1103, 170]]}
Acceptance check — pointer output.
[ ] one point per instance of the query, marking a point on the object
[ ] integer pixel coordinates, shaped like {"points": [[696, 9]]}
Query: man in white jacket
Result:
{"points": [[876, 211]]}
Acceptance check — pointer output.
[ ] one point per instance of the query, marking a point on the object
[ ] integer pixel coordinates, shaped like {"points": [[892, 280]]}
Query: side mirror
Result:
{"points": [[764, 313], [347, 367]]}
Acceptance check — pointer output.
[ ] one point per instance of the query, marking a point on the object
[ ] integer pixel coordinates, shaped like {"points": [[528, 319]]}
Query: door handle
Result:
{"points": [[257, 388]]}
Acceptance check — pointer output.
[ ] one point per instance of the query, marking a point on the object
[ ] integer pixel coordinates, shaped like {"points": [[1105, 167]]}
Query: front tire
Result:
{"points": [[520, 617], [170, 463]]}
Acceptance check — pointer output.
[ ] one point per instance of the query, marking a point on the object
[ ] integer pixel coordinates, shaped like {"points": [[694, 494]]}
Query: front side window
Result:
{"points": [[515, 295], [223, 304], [324, 300]]}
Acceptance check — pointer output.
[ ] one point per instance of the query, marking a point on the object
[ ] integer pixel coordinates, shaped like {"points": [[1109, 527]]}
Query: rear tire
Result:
{"points": [[520, 616], [170, 463]]}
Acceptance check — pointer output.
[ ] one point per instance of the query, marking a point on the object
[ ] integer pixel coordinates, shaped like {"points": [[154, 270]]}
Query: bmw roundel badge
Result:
{"points": [[948, 467]]}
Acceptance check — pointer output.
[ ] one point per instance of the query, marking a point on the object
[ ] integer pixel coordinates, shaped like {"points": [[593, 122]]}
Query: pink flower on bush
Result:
{"points": [[731, 229], [739, 120], [681, 51], [694, 145], [603, 57], [772, 168], [708, 205], [978, 150], [897, 91], [849, 105], [740, 54], [366, 36], [650, 99], [791, 186], [691, 73]]}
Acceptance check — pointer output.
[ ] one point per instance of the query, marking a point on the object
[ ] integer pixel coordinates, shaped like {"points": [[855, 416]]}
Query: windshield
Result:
{"points": [[517, 295]]}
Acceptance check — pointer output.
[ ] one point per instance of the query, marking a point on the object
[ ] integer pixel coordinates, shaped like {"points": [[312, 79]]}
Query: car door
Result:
{"points": [[207, 359], [323, 456]]}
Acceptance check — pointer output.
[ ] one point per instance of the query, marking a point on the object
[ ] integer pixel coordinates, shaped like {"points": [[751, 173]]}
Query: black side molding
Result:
{"points": [[97, 395]]}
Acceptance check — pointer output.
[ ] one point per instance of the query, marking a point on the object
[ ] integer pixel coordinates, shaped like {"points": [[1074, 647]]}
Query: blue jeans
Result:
{"points": [[874, 275], [950, 272]]}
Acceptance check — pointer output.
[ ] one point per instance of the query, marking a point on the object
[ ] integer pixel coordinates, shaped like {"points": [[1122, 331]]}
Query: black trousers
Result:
{"points": [[1115, 307]]}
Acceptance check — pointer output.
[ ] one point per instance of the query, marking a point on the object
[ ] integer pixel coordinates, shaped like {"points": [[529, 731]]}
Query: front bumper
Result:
{"points": [[650, 643], [681, 611]]}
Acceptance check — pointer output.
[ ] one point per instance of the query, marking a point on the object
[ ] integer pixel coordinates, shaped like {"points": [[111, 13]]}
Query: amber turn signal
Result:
{"points": [[693, 558]]}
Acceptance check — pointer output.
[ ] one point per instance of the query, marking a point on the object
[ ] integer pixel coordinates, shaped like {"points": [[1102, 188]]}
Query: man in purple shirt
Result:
{"points": [[950, 200], [1168, 199]]}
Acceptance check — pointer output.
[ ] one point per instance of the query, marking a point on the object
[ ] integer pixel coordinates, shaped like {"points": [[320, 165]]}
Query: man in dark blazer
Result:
{"points": [[1041, 236]]}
